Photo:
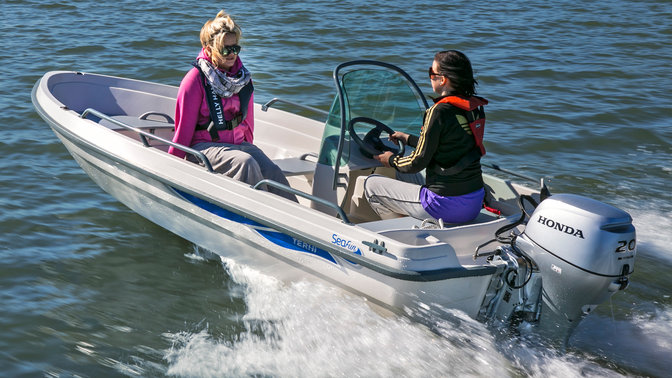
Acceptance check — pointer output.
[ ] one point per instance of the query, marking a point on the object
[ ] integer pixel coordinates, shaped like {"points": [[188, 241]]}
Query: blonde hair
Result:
{"points": [[214, 31]]}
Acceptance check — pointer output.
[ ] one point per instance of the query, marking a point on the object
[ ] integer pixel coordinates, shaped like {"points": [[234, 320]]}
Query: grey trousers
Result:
{"points": [[391, 198], [244, 162]]}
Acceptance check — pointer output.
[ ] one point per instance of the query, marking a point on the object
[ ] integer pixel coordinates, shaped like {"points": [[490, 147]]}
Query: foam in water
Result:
{"points": [[196, 255], [657, 329], [654, 232], [312, 329]]}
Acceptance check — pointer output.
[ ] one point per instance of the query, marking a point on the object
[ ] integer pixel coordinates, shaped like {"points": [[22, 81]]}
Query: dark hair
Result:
{"points": [[456, 67]]}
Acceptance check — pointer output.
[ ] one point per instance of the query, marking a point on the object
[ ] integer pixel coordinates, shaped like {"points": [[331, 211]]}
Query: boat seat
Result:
{"points": [[462, 237], [409, 222], [294, 166]]}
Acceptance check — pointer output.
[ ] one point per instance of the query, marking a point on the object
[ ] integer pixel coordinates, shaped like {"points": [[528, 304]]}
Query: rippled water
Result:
{"points": [[579, 92]]}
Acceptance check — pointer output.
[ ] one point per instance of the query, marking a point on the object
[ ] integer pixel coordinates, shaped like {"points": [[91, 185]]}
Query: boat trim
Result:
{"points": [[270, 103], [311, 197]]}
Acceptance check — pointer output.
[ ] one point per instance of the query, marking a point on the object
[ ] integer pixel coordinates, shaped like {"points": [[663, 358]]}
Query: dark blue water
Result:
{"points": [[579, 93]]}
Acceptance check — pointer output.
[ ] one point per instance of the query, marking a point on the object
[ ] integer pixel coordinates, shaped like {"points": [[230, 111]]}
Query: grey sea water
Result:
{"points": [[579, 93]]}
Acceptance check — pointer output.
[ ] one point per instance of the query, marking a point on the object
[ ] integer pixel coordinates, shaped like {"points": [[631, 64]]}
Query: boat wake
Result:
{"points": [[307, 328]]}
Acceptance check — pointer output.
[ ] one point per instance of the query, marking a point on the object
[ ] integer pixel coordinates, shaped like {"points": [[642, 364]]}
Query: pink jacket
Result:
{"points": [[192, 109]]}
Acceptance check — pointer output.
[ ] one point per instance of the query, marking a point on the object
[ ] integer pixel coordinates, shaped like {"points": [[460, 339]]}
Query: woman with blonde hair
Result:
{"points": [[214, 110]]}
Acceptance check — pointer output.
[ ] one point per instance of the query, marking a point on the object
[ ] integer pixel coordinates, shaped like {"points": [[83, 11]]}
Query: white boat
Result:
{"points": [[547, 265]]}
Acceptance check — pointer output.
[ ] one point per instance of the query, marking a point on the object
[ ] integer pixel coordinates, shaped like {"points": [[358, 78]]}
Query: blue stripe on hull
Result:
{"points": [[276, 237]]}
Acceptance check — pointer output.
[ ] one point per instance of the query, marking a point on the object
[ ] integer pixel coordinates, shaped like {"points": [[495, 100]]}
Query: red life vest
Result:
{"points": [[475, 115]]}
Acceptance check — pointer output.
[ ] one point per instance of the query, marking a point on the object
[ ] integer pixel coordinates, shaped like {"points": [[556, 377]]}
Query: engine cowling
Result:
{"points": [[584, 250]]}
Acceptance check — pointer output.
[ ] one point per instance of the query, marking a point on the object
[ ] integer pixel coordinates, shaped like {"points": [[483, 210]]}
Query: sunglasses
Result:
{"points": [[233, 49], [432, 73]]}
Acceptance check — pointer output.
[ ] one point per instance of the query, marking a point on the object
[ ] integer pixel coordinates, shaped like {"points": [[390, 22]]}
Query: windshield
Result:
{"points": [[377, 92]]}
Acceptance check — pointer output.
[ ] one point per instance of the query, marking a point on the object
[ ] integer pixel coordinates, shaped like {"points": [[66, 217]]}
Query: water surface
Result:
{"points": [[579, 93]]}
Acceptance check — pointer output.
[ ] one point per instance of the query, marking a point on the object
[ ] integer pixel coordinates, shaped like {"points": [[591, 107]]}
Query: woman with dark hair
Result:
{"points": [[449, 147]]}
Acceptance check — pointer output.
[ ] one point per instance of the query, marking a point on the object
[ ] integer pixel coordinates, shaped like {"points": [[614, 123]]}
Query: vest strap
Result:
{"points": [[217, 119], [472, 109]]}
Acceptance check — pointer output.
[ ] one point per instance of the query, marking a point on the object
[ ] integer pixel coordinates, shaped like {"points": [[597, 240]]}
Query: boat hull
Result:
{"points": [[167, 207]]}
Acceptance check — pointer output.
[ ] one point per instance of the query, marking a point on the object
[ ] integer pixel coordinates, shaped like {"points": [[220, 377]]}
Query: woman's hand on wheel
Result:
{"points": [[398, 135], [384, 158]]}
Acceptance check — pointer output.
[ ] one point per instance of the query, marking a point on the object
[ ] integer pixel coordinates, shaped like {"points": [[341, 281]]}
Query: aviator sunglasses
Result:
{"points": [[233, 49]]}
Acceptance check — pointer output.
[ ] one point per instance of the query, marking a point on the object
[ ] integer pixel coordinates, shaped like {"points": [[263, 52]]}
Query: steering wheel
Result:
{"points": [[372, 145]]}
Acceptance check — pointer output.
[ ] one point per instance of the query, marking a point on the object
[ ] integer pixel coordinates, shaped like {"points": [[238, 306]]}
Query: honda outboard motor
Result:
{"points": [[584, 250]]}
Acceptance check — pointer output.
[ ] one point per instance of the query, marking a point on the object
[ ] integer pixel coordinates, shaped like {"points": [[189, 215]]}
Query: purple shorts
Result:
{"points": [[457, 209]]}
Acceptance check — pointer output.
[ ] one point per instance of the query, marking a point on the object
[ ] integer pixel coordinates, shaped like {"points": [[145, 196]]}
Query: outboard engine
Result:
{"points": [[584, 250]]}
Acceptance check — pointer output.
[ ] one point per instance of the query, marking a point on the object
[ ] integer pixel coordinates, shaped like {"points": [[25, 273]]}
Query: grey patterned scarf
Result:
{"points": [[223, 85]]}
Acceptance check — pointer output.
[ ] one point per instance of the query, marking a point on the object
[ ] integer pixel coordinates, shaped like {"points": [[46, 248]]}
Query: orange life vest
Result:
{"points": [[473, 107]]}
